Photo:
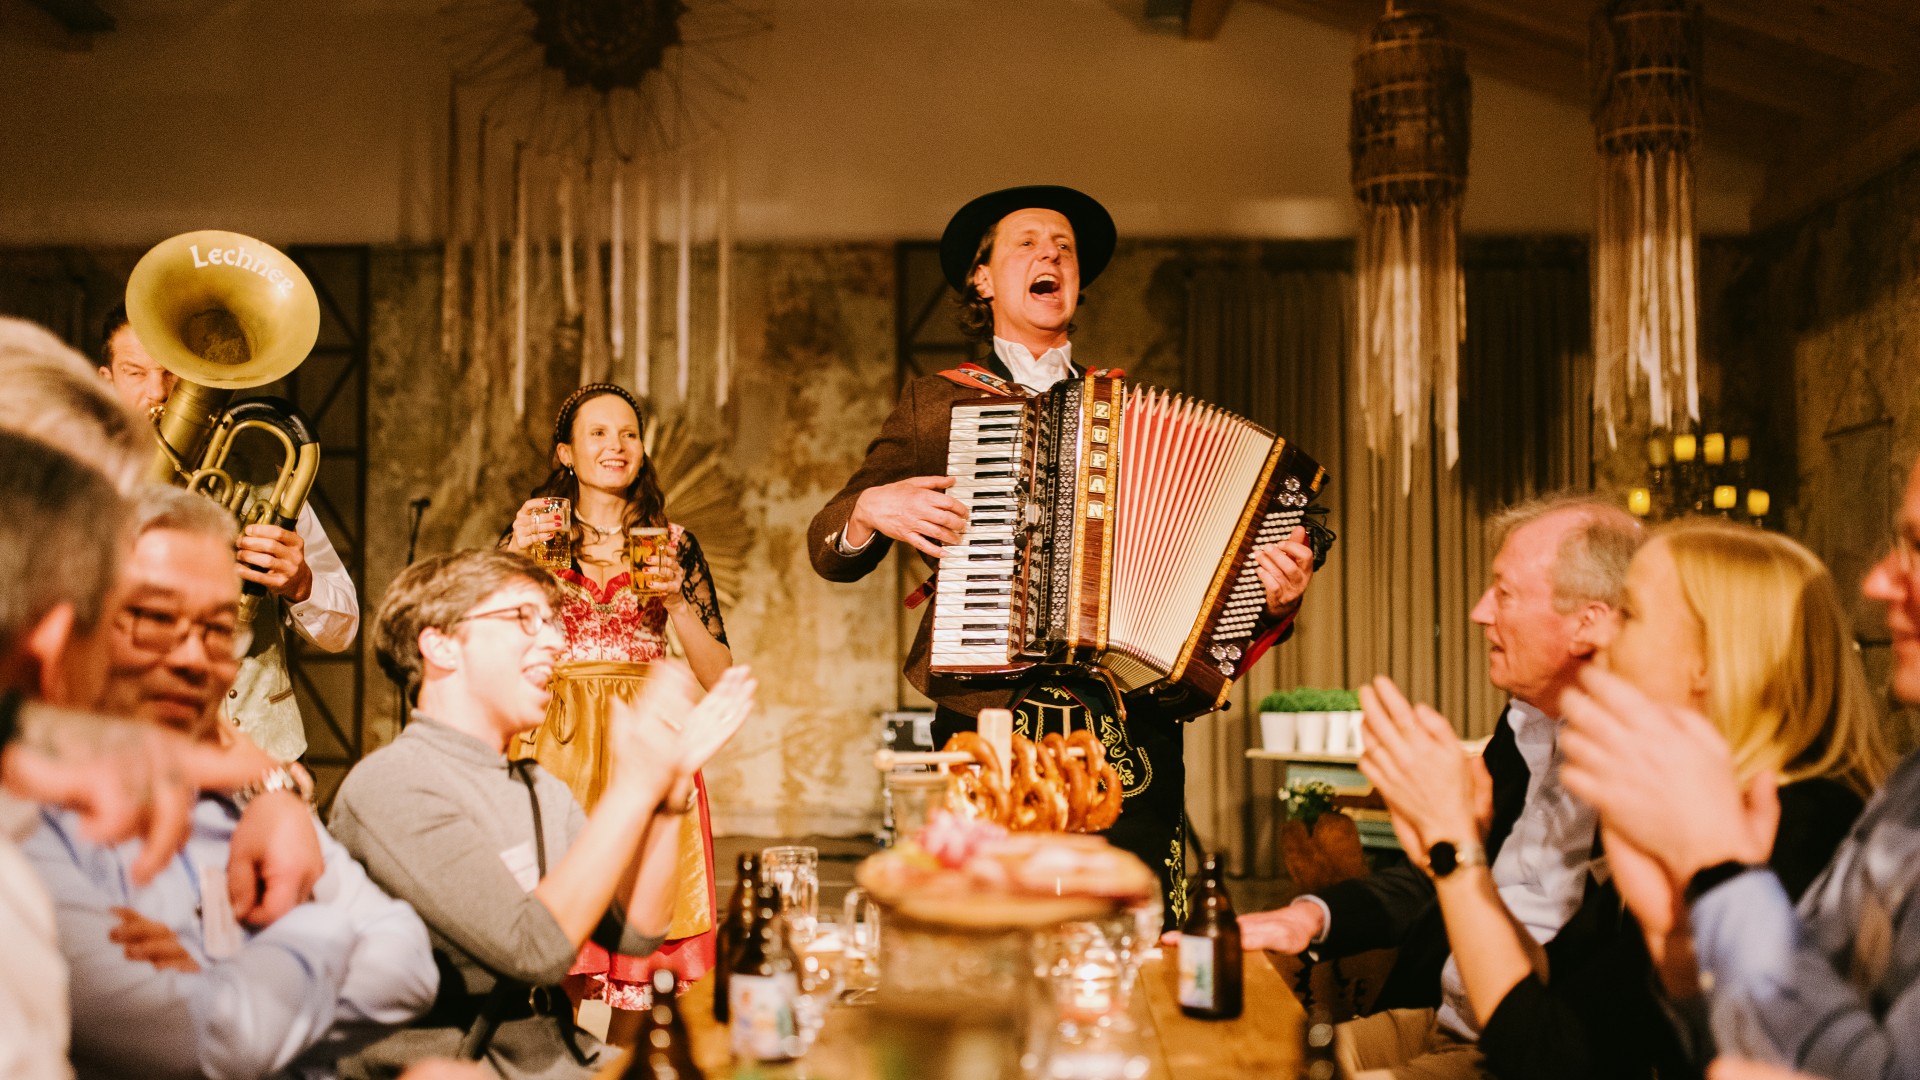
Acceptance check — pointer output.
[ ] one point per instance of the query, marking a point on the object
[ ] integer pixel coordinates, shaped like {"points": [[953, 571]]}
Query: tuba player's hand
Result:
{"points": [[277, 559]]}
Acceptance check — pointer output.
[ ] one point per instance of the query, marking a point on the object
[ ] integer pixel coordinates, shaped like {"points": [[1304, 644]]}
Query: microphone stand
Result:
{"points": [[419, 508]]}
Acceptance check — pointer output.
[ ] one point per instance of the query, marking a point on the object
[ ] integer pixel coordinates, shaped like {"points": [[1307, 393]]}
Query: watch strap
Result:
{"points": [[1712, 877]]}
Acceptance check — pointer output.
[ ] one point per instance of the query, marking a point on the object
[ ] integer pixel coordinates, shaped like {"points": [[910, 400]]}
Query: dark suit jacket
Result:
{"points": [[1397, 908]]}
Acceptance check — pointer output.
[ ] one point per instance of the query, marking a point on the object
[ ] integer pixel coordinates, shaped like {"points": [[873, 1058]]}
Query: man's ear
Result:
{"points": [[37, 666], [983, 282], [1598, 623], [438, 649]]}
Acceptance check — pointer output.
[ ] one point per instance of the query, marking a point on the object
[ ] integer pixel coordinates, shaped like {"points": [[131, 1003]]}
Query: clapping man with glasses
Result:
{"points": [[165, 979], [1831, 987]]}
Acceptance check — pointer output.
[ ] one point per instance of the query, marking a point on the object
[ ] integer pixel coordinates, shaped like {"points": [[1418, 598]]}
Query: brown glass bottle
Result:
{"points": [[1210, 960], [662, 1051], [764, 990], [733, 930]]}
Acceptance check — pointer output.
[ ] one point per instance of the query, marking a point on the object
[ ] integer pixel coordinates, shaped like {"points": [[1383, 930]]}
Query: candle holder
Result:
{"points": [[1699, 474]]}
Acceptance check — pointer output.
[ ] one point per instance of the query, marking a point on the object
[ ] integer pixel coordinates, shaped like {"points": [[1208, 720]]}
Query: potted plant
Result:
{"points": [[1319, 845], [1301, 719]]}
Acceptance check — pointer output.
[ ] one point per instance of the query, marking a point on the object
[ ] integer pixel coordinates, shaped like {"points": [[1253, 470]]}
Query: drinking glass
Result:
{"points": [[794, 870], [645, 542], [860, 930], [555, 552], [913, 798]]}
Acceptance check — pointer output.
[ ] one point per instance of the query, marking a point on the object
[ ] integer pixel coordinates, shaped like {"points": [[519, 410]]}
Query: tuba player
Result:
{"points": [[309, 585]]}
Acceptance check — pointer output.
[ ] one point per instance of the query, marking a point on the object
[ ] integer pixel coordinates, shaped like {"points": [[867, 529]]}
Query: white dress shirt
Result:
{"points": [[330, 615], [1541, 872], [1035, 373], [326, 979]]}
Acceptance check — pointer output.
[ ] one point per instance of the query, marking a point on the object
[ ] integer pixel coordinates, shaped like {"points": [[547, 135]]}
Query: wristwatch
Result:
{"points": [[1446, 856], [277, 779]]}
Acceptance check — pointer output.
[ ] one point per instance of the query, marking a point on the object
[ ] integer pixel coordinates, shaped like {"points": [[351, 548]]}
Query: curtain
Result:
{"points": [[1269, 335]]}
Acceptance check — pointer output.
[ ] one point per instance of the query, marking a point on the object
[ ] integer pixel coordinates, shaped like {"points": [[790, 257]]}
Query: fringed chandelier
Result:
{"points": [[584, 136], [1646, 118], [1411, 101]]}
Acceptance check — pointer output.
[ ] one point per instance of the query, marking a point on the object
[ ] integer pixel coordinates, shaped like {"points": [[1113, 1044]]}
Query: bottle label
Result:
{"points": [[763, 1018], [1198, 986]]}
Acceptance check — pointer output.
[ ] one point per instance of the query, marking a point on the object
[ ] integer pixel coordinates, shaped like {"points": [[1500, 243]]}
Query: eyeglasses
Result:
{"points": [[162, 632], [531, 619]]}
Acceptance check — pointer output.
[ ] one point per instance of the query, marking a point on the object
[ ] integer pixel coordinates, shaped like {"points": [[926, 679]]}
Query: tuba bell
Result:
{"points": [[225, 312]]}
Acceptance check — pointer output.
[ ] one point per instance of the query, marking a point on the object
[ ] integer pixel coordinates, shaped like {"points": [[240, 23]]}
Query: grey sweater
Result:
{"points": [[440, 821]]}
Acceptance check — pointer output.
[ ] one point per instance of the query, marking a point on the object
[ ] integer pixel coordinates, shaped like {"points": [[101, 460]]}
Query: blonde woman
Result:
{"points": [[1741, 625]]}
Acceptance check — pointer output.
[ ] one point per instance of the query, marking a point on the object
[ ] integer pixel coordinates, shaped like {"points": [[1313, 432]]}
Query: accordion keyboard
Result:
{"points": [[974, 594]]}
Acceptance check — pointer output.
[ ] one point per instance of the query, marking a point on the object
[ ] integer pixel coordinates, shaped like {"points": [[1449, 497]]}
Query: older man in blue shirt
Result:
{"points": [[166, 981], [1832, 988]]}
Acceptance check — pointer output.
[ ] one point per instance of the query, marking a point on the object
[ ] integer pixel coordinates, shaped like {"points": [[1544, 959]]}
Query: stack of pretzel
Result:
{"points": [[1060, 784]]}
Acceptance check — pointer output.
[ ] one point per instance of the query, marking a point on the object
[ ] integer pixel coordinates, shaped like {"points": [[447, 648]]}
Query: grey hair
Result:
{"points": [[63, 533], [1591, 564], [55, 396], [161, 506]]}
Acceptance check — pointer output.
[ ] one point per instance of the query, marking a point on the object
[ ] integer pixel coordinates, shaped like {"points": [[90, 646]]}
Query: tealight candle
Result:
{"points": [[1640, 502], [1738, 448], [1724, 497], [1684, 447], [1758, 503], [1714, 448], [1657, 454]]}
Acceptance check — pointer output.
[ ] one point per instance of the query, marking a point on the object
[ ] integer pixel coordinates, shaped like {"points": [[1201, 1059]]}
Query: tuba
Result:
{"points": [[225, 312]]}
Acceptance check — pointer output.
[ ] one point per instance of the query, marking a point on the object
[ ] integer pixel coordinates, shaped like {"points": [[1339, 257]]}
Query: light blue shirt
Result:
{"points": [[1832, 989], [327, 978], [1541, 872]]}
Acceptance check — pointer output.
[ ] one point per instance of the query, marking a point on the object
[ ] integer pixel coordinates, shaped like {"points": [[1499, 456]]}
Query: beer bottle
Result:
{"points": [[763, 993], [733, 930], [662, 1050], [1210, 958]]}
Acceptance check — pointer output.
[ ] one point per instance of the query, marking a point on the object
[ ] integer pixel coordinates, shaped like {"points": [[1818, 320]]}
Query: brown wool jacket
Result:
{"points": [[913, 442]]}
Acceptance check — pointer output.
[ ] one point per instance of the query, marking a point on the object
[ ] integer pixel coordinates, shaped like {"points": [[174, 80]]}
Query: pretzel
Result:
{"points": [[978, 789], [1104, 789], [1073, 772]]}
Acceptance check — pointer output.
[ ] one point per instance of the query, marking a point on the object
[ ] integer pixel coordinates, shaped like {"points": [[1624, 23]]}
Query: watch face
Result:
{"points": [[1442, 858]]}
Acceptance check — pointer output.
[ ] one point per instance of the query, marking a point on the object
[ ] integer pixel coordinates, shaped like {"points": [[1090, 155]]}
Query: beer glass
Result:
{"points": [[556, 551], [795, 871], [645, 542]]}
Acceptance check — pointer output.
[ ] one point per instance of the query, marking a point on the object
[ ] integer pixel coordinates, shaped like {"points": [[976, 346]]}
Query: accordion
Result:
{"points": [[1113, 527]]}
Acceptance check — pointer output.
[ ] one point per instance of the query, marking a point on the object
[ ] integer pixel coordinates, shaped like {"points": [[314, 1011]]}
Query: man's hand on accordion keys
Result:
{"points": [[1285, 570], [915, 511]]}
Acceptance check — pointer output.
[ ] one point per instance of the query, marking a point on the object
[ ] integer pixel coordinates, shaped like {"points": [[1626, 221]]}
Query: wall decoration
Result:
{"points": [[1645, 65], [1410, 134]]}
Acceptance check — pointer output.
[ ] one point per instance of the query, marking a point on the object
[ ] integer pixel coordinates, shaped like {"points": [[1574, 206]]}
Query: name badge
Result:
{"points": [[523, 865]]}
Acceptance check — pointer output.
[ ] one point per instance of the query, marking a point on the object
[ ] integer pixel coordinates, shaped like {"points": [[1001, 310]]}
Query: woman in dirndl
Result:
{"points": [[616, 619]]}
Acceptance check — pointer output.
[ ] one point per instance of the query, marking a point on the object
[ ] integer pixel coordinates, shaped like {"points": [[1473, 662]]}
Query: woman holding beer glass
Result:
{"points": [[599, 523]]}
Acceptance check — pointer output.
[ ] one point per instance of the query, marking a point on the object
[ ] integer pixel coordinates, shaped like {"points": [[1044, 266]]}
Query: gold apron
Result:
{"points": [[572, 745]]}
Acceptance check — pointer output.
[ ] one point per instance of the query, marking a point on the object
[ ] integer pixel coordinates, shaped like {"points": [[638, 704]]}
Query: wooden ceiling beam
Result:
{"points": [[1812, 171], [1844, 30], [1204, 18]]}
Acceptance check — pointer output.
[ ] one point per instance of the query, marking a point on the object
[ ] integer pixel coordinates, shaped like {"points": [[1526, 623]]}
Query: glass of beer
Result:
{"points": [[556, 551], [645, 542]]}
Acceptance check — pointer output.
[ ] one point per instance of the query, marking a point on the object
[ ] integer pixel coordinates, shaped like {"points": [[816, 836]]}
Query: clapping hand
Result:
{"points": [[664, 738], [1662, 778], [1433, 788]]}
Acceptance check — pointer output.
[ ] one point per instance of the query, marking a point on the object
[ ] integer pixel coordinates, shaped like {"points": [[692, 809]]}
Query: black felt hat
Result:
{"points": [[1092, 228]]}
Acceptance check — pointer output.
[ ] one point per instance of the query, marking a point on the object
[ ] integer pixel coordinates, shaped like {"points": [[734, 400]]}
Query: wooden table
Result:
{"points": [[1265, 1041]]}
